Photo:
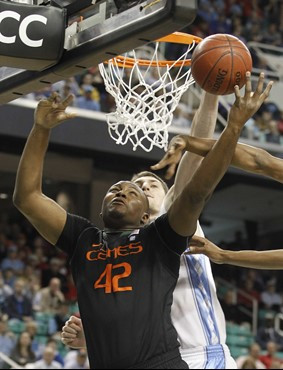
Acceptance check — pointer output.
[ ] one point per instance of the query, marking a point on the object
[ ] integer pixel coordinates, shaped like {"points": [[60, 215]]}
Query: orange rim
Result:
{"points": [[176, 38]]}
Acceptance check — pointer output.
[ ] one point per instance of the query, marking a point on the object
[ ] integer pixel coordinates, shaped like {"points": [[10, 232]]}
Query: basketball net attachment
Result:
{"points": [[147, 90]]}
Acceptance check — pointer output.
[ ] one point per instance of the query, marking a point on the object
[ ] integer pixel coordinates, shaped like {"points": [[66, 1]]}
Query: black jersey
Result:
{"points": [[125, 283]]}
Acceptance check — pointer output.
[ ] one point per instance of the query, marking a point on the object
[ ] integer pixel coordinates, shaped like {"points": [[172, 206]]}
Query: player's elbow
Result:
{"points": [[17, 200], [21, 202]]}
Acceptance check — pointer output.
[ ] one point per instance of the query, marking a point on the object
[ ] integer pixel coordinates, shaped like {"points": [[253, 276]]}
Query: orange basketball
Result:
{"points": [[220, 62]]}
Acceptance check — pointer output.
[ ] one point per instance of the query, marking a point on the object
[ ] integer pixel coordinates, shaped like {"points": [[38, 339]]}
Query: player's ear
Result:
{"points": [[145, 219], [100, 214]]}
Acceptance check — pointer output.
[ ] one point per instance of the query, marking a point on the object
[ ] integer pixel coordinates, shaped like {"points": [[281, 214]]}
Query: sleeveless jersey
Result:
{"points": [[125, 284]]}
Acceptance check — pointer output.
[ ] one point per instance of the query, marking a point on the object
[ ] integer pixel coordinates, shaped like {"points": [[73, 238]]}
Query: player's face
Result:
{"points": [[154, 191], [125, 205]]}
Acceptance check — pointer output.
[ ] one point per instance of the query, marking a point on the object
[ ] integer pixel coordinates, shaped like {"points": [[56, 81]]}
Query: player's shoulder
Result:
{"points": [[79, 225]]}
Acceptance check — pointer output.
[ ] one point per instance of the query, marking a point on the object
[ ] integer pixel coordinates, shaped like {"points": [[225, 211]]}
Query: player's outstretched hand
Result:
{"points": [[172, 157], [73, 334], [200, 245], [246, 106], [52, 111]]}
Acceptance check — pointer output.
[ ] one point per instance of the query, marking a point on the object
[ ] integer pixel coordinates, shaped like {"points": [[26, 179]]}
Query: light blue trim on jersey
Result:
{"points": [[207, 288], [215, 357], [203, 298], [195, 298]]}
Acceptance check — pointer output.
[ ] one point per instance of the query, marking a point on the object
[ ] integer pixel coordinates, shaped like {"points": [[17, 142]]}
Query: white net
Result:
{"points": [[145, 96]]}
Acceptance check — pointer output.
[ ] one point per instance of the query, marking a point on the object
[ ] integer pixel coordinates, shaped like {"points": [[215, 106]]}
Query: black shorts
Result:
{"points": [[171, 360]]}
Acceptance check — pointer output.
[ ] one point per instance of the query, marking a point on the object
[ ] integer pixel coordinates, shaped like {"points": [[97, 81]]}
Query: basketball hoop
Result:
{"points": [[147, 90]]}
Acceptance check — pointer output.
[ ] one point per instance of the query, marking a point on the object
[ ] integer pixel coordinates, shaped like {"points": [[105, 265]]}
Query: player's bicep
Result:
{"points": [[184, 213], [46, 216]]}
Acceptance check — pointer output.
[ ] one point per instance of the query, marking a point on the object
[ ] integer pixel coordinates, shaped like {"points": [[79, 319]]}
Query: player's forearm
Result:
{"points": [[205, 118], [203, 126], [268, 260], [246, 157], [29, 174]]}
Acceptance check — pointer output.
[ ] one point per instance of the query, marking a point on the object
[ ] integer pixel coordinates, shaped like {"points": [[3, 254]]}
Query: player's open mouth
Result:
{"points": [[118, 201]]}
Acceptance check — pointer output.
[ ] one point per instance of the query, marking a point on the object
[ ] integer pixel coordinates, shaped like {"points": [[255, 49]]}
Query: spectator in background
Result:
{"points": [[267, 333], [12, 261], [42, 262], [41, 94], [77, 360], [183, 116], [230, 308], [86, 101], [71, 292], [5, 291], [48, 299], [71, 83], [31, 329], [249, 364], [66, 91], [18, 306], [47, 362], [221, 25], [54, 271], [88, 81], [254, 355], [10, 277], [53, 343], [3, 244], [62, 315], [280, 122], [270, 360], [272, 136], [270, 298], [249, 289], [7, 340], [22, 353], [34, 287]]}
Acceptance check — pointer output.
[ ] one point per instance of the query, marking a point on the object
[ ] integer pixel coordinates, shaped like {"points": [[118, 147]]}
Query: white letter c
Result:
{"points": [[8, 14], [23, 30]]}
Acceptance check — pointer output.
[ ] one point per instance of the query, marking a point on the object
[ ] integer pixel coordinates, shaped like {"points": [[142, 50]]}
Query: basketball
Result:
{"points": [[220, 62]]}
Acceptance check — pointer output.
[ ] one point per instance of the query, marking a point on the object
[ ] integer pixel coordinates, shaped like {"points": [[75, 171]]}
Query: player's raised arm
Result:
{"points": [[187, 207], [264, 260], [44, 214]]}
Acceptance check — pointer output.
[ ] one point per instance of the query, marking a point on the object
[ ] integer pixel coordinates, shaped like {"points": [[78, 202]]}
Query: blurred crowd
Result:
{"points": [[37, 296], [254, 20], [257, 359]]}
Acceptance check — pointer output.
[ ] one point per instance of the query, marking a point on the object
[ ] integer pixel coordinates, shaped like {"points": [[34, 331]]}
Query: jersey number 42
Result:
{"points": [[110, 283]]}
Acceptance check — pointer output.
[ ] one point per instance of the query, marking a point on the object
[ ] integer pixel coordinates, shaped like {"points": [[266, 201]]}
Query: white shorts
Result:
{"points": [[211, 357]]}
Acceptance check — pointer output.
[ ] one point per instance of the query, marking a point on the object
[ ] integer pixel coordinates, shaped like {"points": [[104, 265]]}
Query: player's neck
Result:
{"points": [[124, 230], [120, 227]]}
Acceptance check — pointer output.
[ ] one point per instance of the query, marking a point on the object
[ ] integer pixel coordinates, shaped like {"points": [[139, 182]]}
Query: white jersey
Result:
{"points": [[198, 316]]}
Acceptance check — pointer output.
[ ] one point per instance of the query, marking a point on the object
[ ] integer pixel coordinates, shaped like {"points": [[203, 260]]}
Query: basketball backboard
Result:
{"points": [[101, 35]]}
